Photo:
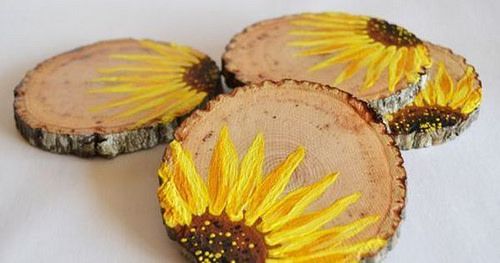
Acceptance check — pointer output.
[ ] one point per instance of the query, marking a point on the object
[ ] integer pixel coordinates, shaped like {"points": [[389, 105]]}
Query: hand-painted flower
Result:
{"points": [[361, 42], [241, 216]]}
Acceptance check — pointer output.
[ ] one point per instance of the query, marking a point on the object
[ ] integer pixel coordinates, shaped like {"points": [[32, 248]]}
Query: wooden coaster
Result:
{"points": [[444, 109], [376, 61], [112, 97], [340, 134]]}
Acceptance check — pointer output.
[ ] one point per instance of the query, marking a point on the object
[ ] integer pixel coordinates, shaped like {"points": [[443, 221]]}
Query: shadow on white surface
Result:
{"points": [[10, 76], [124, 190]]}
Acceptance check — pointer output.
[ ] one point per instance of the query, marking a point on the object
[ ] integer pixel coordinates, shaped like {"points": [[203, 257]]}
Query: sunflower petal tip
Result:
{"points": [[392, 87], [259, 138], [175, 145], [301, 150], [372, 218], [469, 70], [333, 176], [224, 129], [356, 196]]}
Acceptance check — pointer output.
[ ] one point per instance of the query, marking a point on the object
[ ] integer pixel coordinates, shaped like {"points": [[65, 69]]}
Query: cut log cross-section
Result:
{"points": [[112, 97], [444, 108], [339, 133], [378, 62]]}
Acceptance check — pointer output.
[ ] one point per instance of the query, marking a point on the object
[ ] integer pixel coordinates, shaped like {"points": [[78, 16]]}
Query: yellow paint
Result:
{"points": [[345, 39], [463, 96], [152, 86], [291, 235]]}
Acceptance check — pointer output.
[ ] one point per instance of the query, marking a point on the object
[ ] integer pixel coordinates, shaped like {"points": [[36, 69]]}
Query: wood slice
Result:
{"points": [[430, 120], [112, 97], [339, 133], [291, 47]]}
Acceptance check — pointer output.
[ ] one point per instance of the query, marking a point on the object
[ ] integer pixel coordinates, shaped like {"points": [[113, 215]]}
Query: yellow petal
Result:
{"points": [[136, 57], [294, 204], [250, 176], [136, 98], [369, 246], [361, 60], [419, 100], [336, 259], [150, 79], [190, 185], [222, 173], [121, 88], [328, 43], [348, 72], [129, 69], [323, 25], [425, 58], [167, 100], [326, 259], [411, 68], [323, 33], [173, 51], [187, 104], [311, 222], [152, 60], [177, 107], [344, 56], [176, 211], [322, 239], [164, 173], [142, 107], [326, 48], [402, 63], [444, 85], [464, 87], [427, 94], [395, 69], [375, 69], [272, 186], [472, 102]]}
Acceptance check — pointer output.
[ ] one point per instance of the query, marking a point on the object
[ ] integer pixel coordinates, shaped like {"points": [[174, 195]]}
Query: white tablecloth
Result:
{"points": [[57, 208]]}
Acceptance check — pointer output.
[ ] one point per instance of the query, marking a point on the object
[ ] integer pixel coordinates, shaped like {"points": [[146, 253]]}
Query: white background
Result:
{"points": [[57, 208]]}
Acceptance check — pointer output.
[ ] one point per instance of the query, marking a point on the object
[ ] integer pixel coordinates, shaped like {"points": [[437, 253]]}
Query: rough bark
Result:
{"points": [[95, 144], [399, 99]]}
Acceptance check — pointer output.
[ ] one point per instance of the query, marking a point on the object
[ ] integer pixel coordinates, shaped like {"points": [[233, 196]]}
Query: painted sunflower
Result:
{"points": [[442, 103], [170, 81], [361, 42], [241, 216]]}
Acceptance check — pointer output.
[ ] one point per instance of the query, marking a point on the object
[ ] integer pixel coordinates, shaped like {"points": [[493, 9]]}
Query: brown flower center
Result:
{"points": [[423, 119], [390, 34], [217, 239], [203, 76]]}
